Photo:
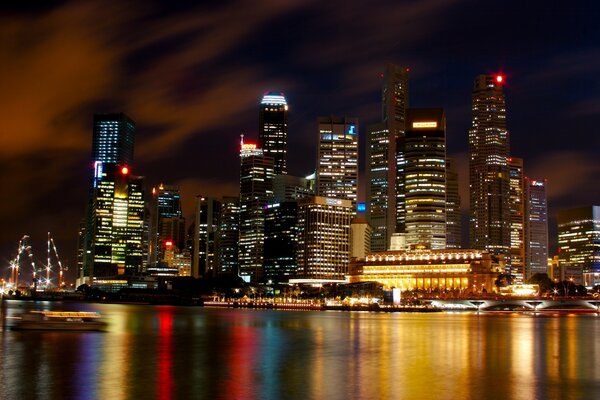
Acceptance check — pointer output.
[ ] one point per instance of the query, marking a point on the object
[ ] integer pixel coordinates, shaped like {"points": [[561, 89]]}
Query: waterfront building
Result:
{"points": [[462, 270], [281, 240], [489, 221], [337, 161], [256, 190], [167, 224], [579, 244], [228, 236], [536, 227], [273, 129], [516, 263], [323, 238], [453, 216], [424, 148], [205, 242], [117, 222]]}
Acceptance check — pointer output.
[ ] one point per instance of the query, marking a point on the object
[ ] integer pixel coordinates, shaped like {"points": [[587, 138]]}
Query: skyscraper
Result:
{"points": [[228, 236], [424, 148], [281, 240], [112, 146], [536, 227], [488, 167], [273, 128], [205, 253], [167, 224], [323, 239], [382, 157], [453, 216], [516, 264], [113, 139], [579, 244], [337, 161], [117, 223], [256, 190]]}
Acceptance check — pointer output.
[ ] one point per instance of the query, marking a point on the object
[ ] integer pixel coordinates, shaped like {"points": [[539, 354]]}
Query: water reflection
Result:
{"points": [[177, 352]]}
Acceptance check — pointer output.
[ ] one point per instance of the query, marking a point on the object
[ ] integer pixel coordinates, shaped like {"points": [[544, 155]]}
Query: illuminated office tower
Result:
{"points": [[323, 238], [113, 138], [205, 247], [273, 128], [337, 162], [228, 236], [516, 264], [424, 148], [489, 181], [536, 227], [281, 240], [167, 224], [453, 217], [579, 244], [256, 190], [382, 157], [380, 188], [117, 222]]}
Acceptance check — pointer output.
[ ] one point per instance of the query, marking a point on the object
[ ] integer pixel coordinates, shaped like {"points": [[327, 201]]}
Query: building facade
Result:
{"points": [[460, 270], [424, 148], [453, 213], [323, 238], [117, 226], [489, 222], [273, 129], [579, 244], [256, 190], [516, 263], [536, 227], [228, 237], [281, 241], [205, 253], [337, 160], [113, 137], [167, 224]]}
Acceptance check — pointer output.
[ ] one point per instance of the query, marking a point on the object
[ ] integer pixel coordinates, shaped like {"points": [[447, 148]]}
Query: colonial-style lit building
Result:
{"points": [[449, 269]]}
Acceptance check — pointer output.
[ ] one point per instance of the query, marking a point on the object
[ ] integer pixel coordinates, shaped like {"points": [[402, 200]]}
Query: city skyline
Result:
{"points": [[181, 123]]}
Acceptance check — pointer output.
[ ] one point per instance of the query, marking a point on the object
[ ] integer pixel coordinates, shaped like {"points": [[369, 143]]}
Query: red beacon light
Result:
{"points": [[499, 78], [124, 170], [168, 243]]}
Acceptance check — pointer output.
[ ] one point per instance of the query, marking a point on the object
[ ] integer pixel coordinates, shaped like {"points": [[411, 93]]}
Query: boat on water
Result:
{"points": [[61, 321]]}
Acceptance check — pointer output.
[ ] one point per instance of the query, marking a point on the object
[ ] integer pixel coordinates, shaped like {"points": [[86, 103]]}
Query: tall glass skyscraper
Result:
{"points": [[228, 236], [256, 190], [382, 158], [113, 139], [112, 191], [205, 249], [516, 266], [337, 161], [536, 227], [424, 148], [273, 129], [489, 176], [168, 223]]}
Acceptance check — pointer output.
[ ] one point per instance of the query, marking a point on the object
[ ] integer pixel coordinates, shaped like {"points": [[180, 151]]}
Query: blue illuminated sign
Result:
{"points": [[361, 207], [351, 129]]}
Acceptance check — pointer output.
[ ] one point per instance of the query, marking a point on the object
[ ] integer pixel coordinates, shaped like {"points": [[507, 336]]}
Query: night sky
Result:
{"points": [[192, 76]]}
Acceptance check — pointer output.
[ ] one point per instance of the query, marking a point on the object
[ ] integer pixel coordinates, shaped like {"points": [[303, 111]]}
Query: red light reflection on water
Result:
{"points": [[241, 363], [164, 379]]}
